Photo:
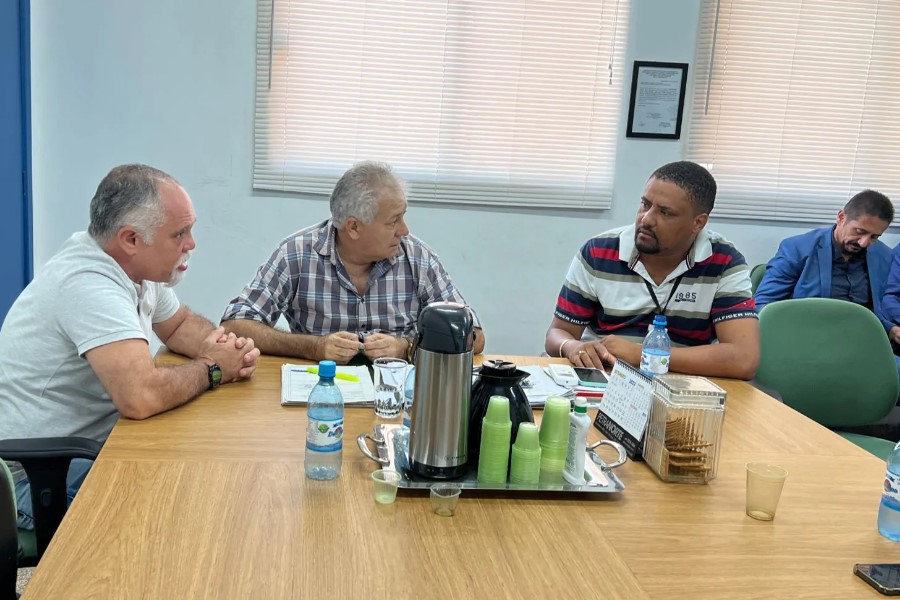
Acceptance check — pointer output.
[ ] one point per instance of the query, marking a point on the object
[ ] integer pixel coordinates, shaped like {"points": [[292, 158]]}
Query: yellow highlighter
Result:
{"points": [[344, 376]]}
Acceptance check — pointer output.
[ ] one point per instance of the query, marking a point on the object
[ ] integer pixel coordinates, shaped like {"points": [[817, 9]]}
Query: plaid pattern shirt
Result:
{"points": [[305, 281]]}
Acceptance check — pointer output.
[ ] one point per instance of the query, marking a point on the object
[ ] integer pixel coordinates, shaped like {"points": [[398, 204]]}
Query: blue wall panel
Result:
{"points": [[15, 206]]}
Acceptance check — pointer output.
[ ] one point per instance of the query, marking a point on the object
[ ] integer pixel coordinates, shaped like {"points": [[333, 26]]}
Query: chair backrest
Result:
{"points": [[9, 542], [829, 359], [756, 275]]}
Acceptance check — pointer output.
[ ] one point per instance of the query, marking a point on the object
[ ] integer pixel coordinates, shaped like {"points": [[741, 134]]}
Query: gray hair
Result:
{"points": [[128, 196], [357, 192]]}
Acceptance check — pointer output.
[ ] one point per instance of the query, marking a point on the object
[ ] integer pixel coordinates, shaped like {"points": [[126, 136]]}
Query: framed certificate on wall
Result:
{"points": [[657, 100]]}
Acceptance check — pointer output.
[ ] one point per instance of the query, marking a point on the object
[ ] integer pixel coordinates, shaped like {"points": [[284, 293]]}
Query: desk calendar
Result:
{"points": [[625, 408]]}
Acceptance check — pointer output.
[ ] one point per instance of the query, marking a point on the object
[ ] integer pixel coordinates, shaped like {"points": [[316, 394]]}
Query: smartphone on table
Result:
{"points": [[591, 377], [883, 577]]}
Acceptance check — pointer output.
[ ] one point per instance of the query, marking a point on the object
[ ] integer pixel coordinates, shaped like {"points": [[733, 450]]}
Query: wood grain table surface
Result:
{"points": [[210, 501]]}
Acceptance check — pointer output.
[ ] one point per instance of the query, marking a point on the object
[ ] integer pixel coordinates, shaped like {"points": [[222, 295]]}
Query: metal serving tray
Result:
{"points": [[392, 447]]}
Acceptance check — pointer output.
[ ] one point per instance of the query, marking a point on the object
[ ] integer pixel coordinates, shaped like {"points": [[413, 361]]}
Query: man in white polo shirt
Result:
{"points": [[75, 346], [665, 263]]}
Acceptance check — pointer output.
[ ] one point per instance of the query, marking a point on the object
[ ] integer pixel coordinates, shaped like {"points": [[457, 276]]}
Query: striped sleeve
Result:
{"points": [[268, 295], [734, 296], [577, 302]]}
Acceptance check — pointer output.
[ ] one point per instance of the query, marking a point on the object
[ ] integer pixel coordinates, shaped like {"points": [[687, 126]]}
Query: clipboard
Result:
{"points": [[297, 383], [625, 409]]}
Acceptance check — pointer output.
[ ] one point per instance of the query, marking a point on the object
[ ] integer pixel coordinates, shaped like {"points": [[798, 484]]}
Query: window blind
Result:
{"points": [[491, 102], [803, 98]]}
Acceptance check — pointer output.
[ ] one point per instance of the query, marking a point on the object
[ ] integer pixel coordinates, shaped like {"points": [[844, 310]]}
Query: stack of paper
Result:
{"points": [[297, 383], [539, 386]]}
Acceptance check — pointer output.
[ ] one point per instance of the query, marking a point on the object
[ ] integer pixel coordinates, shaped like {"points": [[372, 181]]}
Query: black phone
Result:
{"points": [[591, 377], [883, 577]]}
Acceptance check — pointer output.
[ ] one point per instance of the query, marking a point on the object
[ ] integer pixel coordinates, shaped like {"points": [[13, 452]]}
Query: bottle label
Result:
{"points": [[571, 466], [654, 364], [891, 495], [325, 436]]}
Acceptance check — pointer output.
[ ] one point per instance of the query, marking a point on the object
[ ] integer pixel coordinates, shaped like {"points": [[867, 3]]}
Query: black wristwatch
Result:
{"points": [[215, 376]]}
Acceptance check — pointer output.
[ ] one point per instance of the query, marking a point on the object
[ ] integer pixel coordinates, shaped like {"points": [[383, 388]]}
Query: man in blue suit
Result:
{"points": [[891, 301], [845, 261]]}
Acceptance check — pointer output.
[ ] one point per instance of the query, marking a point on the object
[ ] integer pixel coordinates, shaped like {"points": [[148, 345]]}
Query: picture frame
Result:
{"points": [[656, 107]]}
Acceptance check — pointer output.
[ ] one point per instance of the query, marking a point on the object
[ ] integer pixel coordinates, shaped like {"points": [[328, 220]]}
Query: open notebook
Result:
{"points": [[297, 383]]}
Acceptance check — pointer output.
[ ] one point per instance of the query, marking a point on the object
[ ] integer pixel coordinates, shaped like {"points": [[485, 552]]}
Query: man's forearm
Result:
{"points": [[715, 360], [187, 338], [168, 388], [272, 341], [555, 339], [479, 341]]}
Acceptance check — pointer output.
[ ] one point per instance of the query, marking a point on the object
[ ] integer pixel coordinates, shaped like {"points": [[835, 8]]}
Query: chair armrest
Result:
{"points": [[46, 463], [55, 447]]}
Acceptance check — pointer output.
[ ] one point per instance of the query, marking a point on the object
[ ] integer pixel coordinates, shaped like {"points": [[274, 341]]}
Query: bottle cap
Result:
{"points": [[580, 405], [659, 321], [327, 368]]}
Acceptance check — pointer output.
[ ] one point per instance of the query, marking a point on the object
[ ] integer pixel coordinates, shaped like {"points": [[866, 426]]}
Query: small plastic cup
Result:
{"points": [[386, 484], [497, 410], [444, 498], [555, 422], [764, 484], [527, 437]]}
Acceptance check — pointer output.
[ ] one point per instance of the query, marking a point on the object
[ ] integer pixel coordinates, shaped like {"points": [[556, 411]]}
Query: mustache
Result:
{"points": [[647, 231]]}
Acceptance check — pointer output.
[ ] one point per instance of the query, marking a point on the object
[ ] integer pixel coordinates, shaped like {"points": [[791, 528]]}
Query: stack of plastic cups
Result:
{"points": [[526, 456], [554, 436], [496, 430]]}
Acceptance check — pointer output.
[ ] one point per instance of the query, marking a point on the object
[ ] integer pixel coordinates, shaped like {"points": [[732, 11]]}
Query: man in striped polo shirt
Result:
{"points": [[666, 262]]}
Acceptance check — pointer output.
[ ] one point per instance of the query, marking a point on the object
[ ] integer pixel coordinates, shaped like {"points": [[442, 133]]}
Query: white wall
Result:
{"points": [[171, 84]]}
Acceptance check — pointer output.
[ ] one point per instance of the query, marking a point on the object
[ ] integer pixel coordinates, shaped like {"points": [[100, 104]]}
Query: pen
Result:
{"points": [[344, 376]]}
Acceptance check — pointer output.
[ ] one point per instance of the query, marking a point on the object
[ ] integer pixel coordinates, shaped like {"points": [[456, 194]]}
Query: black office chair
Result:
{"points": [[9, 540], [46, 463]]}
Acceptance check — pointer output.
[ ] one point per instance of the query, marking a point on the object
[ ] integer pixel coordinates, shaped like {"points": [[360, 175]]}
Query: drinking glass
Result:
{"points": [[764, 484], [390, 378]]}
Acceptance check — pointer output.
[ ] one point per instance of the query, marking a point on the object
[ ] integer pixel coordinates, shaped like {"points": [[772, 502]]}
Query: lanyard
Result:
{"points": [[662, 309]]}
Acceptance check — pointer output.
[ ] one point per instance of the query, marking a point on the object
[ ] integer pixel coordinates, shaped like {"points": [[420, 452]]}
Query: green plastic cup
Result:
{"points": [[497, 411], [493, 457], [527, 438], [525, 466], [555, 422]]}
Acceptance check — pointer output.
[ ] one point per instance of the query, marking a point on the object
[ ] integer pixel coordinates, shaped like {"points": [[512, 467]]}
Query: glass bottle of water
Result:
{"points": [[657, 349], [325, 426], [889, 511]]}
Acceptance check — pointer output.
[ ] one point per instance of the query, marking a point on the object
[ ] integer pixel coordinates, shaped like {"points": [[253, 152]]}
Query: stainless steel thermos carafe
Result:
{"points": [[438, 432]]}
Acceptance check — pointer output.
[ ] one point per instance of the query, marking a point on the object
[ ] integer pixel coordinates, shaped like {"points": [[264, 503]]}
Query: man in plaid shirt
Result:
{"points": [[352, 285]]}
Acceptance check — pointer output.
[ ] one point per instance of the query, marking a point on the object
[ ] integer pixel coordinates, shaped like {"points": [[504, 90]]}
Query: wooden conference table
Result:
{"points": [[210, 501]]}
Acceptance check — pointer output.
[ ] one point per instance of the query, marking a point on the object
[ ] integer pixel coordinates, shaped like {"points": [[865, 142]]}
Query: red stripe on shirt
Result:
{"points": [[605, 253], [718, 258], [572, 308], [608, 327], [749, 303]]}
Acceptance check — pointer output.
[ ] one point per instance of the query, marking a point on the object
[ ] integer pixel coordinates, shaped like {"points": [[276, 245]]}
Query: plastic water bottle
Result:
{"points": [[325, 426], [408, 393], [657, 349], [889, 511]]}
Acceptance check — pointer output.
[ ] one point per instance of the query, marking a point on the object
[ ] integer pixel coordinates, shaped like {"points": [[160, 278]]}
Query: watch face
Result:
{"points": [[215, 376]]}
